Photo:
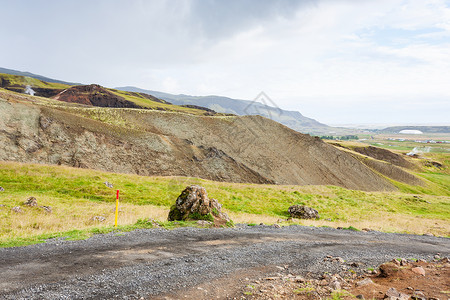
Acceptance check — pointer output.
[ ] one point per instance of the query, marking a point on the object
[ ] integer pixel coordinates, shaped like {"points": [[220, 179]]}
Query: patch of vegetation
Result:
{"points": [[22, 81], [350, 228], [197, 216], [340, 295], [76, 195], [230, 223]]}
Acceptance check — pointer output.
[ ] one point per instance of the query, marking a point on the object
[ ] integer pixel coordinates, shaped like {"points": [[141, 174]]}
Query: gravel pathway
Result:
{"points": [[152, 262]]}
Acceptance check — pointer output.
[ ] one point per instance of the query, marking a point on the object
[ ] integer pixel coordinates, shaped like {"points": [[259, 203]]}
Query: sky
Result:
{"points": [[337, 61]]}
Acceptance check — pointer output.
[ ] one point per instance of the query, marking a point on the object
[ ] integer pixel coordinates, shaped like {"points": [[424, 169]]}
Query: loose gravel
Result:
{"points": [[151, 262]]}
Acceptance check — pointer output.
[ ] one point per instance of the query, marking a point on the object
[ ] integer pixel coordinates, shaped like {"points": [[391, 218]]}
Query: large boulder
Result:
{"points": [[194, 204], [303, 212]]}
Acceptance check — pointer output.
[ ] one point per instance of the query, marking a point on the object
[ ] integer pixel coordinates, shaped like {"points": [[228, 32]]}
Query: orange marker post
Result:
{"points": [[117, 209]]}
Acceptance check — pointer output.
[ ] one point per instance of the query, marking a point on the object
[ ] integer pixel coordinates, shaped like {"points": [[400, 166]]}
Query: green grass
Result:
{"points": [[21, 180], [81, 234], [73, 193], [145, 102]]}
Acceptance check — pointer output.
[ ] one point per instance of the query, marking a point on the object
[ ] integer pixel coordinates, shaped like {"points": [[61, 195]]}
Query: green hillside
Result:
{"points": [[18, 83], [78, 195]]}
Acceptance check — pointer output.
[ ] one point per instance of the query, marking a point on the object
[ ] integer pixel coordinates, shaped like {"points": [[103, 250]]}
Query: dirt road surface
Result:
{"points": [[158, 263]]}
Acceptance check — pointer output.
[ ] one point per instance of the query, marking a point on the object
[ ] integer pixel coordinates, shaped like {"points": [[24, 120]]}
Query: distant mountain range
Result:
{"points": [[291, 119]]}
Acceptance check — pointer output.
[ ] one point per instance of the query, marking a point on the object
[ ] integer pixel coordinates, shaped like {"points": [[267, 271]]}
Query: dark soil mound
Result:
{"points": [[94, 95], [385, 155], [392, 171]]}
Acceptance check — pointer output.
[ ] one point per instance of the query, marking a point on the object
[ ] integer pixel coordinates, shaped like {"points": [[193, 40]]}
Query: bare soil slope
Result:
{"points": [[147, 142], [93, 95]]}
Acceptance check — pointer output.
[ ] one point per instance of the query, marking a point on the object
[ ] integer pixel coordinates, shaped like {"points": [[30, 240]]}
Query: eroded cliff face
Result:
{"points": [[236, 149]]}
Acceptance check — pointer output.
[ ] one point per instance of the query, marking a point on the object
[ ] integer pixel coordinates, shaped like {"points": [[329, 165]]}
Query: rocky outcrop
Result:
{"points": [[303, 212], [194, 204]]}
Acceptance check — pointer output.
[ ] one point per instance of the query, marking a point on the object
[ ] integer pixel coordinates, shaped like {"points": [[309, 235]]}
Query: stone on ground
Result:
{"points": [[303, 212], [194, 204], [31, 201]]}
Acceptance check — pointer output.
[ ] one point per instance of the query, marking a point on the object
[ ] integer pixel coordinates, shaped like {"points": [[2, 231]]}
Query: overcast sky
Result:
{"points": [[338, 61]]}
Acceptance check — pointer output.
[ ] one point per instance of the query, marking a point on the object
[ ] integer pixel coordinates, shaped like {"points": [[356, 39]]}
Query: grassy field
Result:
{"points": [[77, 195]]}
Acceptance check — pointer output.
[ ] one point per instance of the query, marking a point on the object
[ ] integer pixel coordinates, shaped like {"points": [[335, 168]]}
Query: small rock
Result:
{"points": [[396, 261], [418, 295], [437, 257], [339, 260], [422, 260], [366, 229], [393, 294], [276, 225], [428, 234], [403, 262], [364, 282], [299, 279], [339, 228], [31, 201], [2, 189], [445, 260], [323, 282], [410, 288], [303, 212], [108, 184], [47, 209], [360, 297], [98, 218], [433, 298], [335, 285], [17, 209], [418, 270], [261, 224]]}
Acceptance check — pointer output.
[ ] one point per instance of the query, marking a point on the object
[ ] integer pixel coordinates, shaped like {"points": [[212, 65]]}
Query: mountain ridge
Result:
{"points": [[293, 119]]}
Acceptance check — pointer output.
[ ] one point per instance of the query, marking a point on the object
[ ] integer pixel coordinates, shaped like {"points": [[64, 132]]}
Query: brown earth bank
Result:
{"points": [[379, 154], [399, 279], [237, 149], [93, 95]]}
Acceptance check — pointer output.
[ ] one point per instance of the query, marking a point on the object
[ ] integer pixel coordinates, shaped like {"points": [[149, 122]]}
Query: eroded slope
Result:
{"points": [[226, 148]]}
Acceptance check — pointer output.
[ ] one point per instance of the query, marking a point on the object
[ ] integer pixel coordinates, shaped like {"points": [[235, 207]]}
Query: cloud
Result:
{"points": [[306, 55]]}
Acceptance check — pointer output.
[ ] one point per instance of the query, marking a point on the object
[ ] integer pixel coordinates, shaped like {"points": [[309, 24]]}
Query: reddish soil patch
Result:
{"points": [[435, 284], [94, 95]]}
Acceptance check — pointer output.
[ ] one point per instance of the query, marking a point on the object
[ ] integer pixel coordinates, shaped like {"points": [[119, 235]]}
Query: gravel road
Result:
{"points": [[156, 262]]}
